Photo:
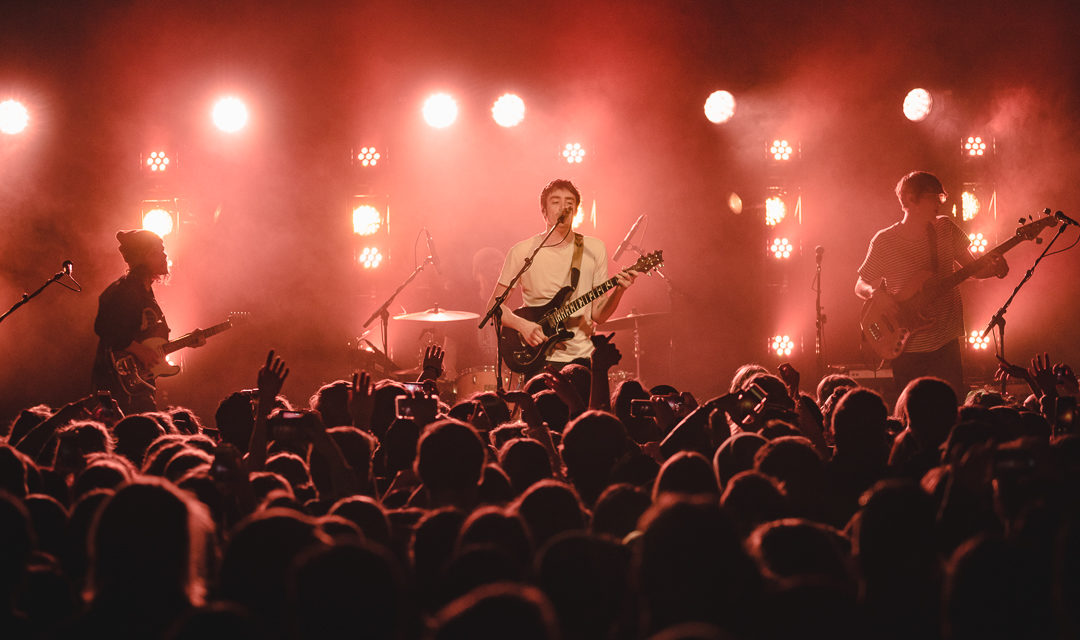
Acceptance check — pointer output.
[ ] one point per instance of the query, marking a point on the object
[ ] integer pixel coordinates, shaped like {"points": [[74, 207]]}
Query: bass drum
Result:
{"points": [[478, 380]]}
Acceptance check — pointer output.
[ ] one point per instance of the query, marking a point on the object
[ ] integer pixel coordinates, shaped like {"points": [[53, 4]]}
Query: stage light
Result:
{"points": [[734, 203], [160, 221], [780, 248], [13, 117], [573, 153], [366, 220], [969, 205], [579, 217], [157, 161], [508, 110], [974, 147], [781, 150], [370, 258], [978, 243], [978, 342], [775, 210], [917, 105], [720, 107], [368, 156], [230, 114], [440, 110], [781, 345]]}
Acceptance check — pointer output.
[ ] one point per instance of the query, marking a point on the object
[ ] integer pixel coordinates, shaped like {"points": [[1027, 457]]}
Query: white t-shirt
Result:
{"points": [[550, 271]]}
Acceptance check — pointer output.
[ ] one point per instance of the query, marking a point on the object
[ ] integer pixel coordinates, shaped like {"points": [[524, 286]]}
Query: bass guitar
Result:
{"points": [[522, 358], [135, 377], [887, 333]]}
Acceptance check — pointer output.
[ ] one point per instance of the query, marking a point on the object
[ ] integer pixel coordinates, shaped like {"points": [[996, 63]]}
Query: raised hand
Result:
{"points": [[1044, 376], [271, 378], [605, 354], [527, 405], [433, 363], [361, 399], [790, 375], [565, 389]]}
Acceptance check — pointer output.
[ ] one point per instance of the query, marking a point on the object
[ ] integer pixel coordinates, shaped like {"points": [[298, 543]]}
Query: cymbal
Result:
{"points": [[632, 320], [438, 315]]}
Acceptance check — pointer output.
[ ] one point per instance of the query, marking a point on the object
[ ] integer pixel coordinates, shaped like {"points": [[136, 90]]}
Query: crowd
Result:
{"points": [[565, 510]]}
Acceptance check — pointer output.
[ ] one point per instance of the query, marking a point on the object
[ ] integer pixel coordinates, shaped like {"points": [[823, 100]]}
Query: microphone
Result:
{"points": [[67, 267], [1066, 219], [565, 212], [432, 253], [626, 241], [818, 252]]}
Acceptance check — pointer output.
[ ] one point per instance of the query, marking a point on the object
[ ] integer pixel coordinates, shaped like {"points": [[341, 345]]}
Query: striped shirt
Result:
{"points": [[900, 259]]}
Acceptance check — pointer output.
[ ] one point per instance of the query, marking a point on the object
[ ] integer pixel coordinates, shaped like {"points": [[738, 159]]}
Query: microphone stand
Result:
{"points": [[27, 297], [383, 312], [495, 312], [819, 320], [998, 320]]}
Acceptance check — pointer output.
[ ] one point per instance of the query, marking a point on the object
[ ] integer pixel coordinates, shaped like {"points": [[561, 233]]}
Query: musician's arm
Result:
{"points": [[532, 333], [610, 303]]}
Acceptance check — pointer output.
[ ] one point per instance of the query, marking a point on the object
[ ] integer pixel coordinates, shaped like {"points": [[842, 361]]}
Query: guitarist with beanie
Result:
{"points": [[921, 247], [128, 313]]}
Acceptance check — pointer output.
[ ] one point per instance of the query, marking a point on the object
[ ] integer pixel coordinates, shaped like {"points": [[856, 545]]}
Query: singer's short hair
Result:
{"points": [[559, 183], [915, 184]]}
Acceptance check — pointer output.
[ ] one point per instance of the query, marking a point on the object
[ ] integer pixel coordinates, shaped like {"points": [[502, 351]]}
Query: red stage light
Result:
{"points": [[368, 156], [160, 221], [508, 110], [157, 161], [370, 258], [917, 105], [573, 153], [366, 220], [14, 117], [978, 243], [720, 107], [440, 110], [230, 114], [781, 150], [974, 147], [780, 249], [978, 342], [781, 345], [775, 210]]}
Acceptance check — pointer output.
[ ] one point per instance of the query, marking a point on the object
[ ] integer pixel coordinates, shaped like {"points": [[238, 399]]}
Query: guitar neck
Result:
{"points": [[967, 271], [568, 310], [190, 339]]}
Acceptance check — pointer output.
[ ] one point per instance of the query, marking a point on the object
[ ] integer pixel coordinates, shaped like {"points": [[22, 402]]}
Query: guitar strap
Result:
{"points": [[931, 235], [575, 264]]}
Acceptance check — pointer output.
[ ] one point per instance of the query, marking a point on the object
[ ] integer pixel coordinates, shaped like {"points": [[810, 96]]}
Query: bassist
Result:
{"points": [[923, 242], [550, 272], [128, 313]]}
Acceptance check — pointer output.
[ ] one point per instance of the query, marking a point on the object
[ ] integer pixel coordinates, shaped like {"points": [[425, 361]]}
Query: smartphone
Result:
{"points": [[287, 426], [412, 408], [1065, 416], [642, 409], [415, 388]]}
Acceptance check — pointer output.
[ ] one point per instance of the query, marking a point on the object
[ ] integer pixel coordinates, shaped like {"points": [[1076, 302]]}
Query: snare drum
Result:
{"points": [[477, 380]]}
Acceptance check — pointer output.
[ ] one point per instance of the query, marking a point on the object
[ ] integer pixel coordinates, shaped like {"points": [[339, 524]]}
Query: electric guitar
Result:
{"points": [[887, 333], [520, 357], [135, 377]]}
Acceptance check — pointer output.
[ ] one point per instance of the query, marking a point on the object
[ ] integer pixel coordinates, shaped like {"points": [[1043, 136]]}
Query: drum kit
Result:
{"points": [[436, 326]]}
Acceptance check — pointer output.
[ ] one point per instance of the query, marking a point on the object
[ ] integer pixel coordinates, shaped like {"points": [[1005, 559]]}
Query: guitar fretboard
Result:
{"points": [[568, 310], [189, 340]]}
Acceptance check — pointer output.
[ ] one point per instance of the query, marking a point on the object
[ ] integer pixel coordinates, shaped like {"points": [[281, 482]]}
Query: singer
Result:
{"points": [[901, 257], [550, 272]]}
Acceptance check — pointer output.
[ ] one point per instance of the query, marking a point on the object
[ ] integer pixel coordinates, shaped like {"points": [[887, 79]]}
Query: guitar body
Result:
{"points": [[887, 333], [518, 356], [136, 378]]}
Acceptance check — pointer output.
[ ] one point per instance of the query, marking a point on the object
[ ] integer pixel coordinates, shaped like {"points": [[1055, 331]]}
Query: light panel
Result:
{"points": [[918, 104], [230, 114], [573, 153], [720, 107], [440, 110], [508, 110], [781, 345], [14, 118]]}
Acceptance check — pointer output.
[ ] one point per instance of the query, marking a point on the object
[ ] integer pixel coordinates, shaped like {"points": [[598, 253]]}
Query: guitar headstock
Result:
{"points": [[1032, 229], [237, 318], [649, 261]]}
